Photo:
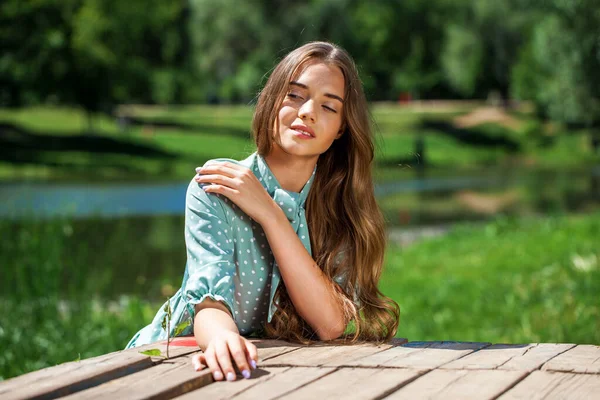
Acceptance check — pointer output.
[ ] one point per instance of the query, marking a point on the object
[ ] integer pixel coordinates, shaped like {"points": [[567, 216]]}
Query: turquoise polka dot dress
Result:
{"points": [[228, 257]]}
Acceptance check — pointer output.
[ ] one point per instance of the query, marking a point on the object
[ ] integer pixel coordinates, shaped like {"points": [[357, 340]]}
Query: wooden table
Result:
{"points": [[396, 370]]}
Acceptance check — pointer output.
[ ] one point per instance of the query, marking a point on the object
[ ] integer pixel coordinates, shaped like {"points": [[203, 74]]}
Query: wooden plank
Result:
{"points": [[555, 385], [288, 381], [225, 390], [71, 377], [348, 354], [420, 355], [166, 380], [379, 359], [272, 348], [583, 359], [313, 356], [526, 357], [356, 383], [459, 384], [536, 356], [491, 357]]}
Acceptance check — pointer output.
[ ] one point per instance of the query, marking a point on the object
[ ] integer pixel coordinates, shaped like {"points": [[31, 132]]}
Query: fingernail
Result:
{"points": [[196, 364], [230, 376], [198, 169], [246, 374], [217, 375], [253, 364]]}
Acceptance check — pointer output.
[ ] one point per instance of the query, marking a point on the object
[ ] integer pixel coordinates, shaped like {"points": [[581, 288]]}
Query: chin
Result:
{"points": [[295, 148]]}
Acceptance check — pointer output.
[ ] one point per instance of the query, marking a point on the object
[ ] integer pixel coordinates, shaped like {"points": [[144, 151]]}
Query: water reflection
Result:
{"points": [[430, 198]]}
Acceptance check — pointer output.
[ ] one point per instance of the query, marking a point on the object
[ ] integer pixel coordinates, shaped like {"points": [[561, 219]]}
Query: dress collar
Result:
{"points": [[270, 183]]}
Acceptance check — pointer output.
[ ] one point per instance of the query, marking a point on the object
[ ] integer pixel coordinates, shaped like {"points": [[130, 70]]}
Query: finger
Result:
{"points": [[227, 169], [224, 360], [220, 179], [228, 192], [211, 360], [238, 352], [198, 361], [251, 353]]}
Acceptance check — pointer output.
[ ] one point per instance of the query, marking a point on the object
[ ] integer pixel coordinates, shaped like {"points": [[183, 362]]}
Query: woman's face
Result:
{"points": [[310, 118]]}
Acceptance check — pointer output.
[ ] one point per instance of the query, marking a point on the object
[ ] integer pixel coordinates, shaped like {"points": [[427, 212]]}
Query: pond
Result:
{"points": [[129, 236], [426, 197]]}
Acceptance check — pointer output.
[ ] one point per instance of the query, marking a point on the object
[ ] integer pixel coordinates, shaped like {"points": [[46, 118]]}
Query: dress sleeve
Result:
{"points": [[210, 265]]}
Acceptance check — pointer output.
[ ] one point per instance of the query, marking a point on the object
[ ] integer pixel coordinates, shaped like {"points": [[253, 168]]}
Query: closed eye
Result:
{"points": [[293, 96], [330, 109]]}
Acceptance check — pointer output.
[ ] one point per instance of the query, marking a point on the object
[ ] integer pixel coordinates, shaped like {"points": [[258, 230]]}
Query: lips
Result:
{"points": [[303, 129]]}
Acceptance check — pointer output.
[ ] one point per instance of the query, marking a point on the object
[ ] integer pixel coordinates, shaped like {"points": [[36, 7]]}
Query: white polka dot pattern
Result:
{"points": [[228, 256]]}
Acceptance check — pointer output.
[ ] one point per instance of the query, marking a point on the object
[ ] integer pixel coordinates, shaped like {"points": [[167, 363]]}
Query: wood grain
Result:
{"points": [[420, 355], [395, 369], [288, 381], [356, 383], [526, 357], [314, 356], [583, 359], [555, 385], [459, 384], [166, 380], [226, 390], [272, 348], [71, 377]]}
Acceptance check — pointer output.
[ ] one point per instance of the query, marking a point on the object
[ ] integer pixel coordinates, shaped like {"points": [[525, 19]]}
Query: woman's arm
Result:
{"points": [[219, 339], [309, 289], [311, 292], [209, 288]]}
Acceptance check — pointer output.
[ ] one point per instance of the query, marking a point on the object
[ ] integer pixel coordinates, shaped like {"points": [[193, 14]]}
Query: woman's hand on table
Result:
{"points": [[223, 352], [240, 185]]}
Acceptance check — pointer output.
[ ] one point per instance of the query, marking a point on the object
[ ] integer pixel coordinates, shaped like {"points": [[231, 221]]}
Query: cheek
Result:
{"points": [[335, 124], [287, 115]]}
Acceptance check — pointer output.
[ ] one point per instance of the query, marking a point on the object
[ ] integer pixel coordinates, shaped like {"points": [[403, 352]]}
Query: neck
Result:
{"points": [[292, 172]]}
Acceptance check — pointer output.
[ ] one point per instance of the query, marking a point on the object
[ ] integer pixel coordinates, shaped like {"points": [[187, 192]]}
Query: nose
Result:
{"points": [[307, 111]]}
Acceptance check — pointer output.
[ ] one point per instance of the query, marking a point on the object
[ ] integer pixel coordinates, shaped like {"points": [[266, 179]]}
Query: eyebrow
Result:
{"points": [[330, 95]]}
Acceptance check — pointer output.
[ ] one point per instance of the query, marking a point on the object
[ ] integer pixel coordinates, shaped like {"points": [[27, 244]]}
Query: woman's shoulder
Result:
{"points": [[196, 196]]}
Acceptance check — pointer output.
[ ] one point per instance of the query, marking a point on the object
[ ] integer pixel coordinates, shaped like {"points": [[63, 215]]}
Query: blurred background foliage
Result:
{"points": [[99, 53], [487, 167]]}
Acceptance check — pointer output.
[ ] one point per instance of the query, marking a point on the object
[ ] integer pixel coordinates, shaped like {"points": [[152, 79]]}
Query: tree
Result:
{"points": [[481, 45], [93, 53], [564, 53]]}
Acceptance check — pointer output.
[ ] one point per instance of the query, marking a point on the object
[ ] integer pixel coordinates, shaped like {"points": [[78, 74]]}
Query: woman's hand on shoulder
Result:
{"points": [[225, 351], [240, 185]]}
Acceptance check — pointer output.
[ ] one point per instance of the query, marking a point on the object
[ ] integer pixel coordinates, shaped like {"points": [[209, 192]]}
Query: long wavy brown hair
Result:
{"points": [[346, 227]]}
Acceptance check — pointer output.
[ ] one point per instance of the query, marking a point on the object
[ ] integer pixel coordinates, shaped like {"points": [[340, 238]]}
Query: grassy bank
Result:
{"points": [[530, 280], [168, 142], [513, 281]]}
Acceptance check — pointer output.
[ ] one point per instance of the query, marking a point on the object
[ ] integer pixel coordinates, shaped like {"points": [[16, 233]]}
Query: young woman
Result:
{"points": [[289, 242]]}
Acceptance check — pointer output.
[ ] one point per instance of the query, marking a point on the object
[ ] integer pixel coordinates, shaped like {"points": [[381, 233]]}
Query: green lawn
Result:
{"points": [[515, 281]]}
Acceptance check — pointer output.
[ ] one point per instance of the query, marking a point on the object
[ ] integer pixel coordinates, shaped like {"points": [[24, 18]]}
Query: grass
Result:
{"points": [[513, 281], [510, 280], [184, 136]]}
